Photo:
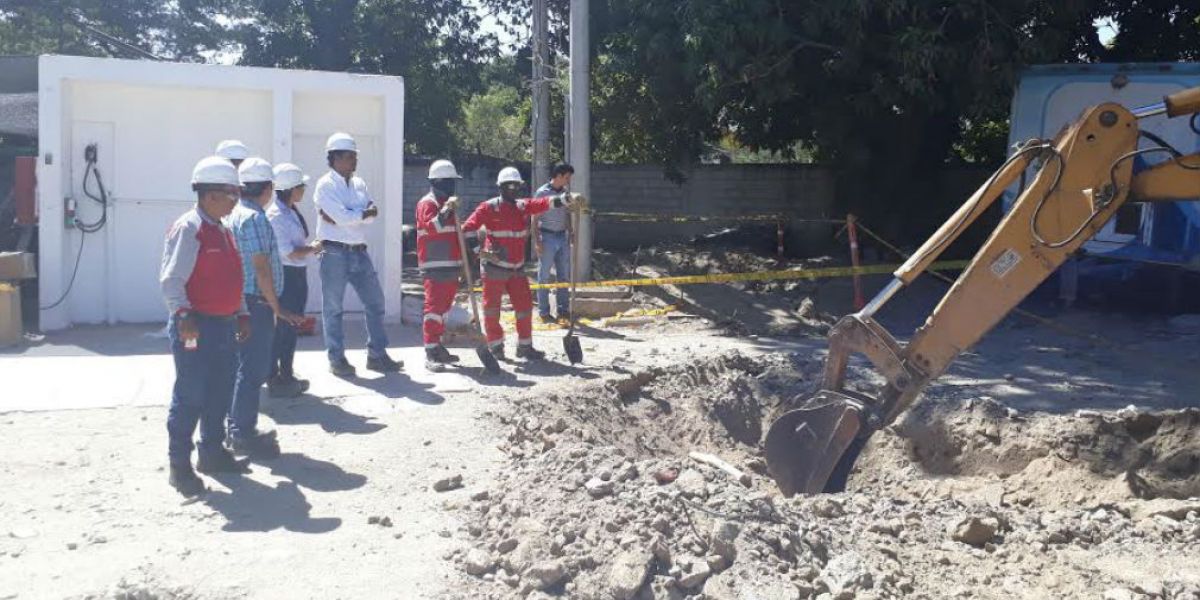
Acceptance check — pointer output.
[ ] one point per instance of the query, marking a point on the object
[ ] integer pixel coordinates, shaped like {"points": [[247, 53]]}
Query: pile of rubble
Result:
{"points": [[607, 497]]}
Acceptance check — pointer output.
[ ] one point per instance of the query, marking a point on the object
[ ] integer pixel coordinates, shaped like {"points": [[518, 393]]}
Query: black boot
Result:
{"points": [[260, 446], [497, 351], [445, 355], [185, 481], [528, 352], [384, 364], [433, 361], [219, 461], [341, 367], [284, 387]]}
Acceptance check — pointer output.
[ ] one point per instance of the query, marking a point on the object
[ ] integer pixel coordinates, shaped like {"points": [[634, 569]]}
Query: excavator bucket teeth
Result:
{"points": [[805, 446]]}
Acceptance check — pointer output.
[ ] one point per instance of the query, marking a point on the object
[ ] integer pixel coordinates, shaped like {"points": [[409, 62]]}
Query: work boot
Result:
{"points": [[283, 387], [546, 319], [564, 315], [220, 461], [528, 352], [497, 351], [384, 364], [185, 481], [445, 354], [260, 446], [341, 367], [438, 358], [303, 383]]}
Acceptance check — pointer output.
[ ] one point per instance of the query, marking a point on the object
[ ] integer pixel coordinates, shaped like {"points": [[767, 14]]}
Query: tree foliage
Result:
{"points": [[435, 44], [891, 91], [181, 30]]}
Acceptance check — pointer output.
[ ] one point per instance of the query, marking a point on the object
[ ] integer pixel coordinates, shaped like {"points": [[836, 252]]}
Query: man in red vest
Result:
{"points": [[506, 221], [439, 258], [201, 281]]}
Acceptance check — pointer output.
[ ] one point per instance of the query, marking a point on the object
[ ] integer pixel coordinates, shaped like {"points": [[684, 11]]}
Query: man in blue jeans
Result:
{"points": [[551, 241], [346, 209], [201, 281], [262, 282]]}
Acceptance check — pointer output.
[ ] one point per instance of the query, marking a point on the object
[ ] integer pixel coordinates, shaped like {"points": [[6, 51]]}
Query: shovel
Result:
{"points": [[570, 342], [481, 350]]}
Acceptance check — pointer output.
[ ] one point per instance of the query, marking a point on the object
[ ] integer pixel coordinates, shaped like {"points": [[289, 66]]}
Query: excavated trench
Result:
{"points": [[605, 496], [724, 406]]}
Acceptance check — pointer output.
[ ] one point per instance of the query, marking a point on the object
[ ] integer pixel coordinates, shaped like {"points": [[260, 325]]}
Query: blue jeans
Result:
{"points": [[295, 294], [340, 266], [203, 386], [253, 367], [556, 252]]}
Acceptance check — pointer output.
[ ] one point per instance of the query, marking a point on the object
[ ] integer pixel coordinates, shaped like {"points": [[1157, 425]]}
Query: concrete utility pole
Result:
{"points": [[581, 135], [541, 96]]}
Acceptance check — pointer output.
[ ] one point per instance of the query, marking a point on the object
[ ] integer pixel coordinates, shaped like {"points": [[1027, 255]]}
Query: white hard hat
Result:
{"points": [[443, 169], [233, 150], [341, 141], [509, 174], [288, 176], [216, 170], [255, 170]]}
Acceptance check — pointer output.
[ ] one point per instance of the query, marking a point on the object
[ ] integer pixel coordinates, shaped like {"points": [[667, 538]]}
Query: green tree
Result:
{"points": [[182, 30], [496, 124], [435, 44], [890, 91]]}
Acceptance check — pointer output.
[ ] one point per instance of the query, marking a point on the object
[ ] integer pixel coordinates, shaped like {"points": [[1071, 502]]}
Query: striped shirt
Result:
{"points": [[254, 236], [555, 219], [290, 231]]}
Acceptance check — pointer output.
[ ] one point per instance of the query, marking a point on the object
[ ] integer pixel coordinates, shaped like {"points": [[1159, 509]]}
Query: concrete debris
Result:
{"points": [[477, 562], [446, 484], [598, 488], [628, 573], [695, 573], [975, 531], [545, 574], [723, 539], [847, 572], [692, 484]]}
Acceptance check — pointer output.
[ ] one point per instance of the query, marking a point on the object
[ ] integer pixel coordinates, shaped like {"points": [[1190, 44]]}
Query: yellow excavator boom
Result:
{"points": [[1085, 175]]}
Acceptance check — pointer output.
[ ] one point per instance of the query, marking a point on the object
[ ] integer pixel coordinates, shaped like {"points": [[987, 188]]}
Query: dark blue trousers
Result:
{"points": [[203, 386]]}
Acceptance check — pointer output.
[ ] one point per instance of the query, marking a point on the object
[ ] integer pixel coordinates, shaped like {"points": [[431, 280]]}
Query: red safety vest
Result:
{"points": [[437, 243], [215, 287], [507, 228]]}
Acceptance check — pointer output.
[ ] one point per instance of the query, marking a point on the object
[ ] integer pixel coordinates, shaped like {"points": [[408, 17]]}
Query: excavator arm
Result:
{"points": [[1085, 176]]}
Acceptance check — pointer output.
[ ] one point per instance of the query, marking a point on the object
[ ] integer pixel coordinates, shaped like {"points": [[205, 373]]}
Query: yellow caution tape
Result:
{"points": [[635, 217], [822, 273], [509, 318]]}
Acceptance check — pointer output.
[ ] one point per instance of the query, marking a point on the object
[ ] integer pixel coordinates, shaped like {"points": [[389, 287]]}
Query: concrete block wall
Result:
{"points": [[799, 191]]}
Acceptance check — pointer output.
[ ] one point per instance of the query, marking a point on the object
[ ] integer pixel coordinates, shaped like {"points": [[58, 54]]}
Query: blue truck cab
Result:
{"points": [[1141, 237]]}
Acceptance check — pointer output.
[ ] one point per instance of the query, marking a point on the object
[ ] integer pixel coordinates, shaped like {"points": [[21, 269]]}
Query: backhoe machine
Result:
{"points": [[1080, 180]]}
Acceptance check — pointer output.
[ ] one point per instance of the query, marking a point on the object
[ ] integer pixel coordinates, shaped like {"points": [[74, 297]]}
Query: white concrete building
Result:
{"points": [[151, 122]]}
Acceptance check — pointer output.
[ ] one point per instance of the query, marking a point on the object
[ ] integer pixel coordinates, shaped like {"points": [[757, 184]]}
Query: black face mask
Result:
{"points": [[509, 191], [443, 188]]}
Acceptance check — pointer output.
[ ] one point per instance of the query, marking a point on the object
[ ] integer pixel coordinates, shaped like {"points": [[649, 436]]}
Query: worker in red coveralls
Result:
{"points": [[439, 258], [505, 220]]}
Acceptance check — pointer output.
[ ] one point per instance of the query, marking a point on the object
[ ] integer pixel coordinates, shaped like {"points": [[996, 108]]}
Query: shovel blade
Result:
{"points": [[573, 349], [805, 447], [487, 358]]}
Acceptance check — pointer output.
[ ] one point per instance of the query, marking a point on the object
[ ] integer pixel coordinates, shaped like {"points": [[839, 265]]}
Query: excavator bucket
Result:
{"points": [[806, 447]]}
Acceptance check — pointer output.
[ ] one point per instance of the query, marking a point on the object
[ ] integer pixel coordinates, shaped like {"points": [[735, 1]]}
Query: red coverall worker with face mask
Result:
{"points": [[506, 223], [440, 261]]}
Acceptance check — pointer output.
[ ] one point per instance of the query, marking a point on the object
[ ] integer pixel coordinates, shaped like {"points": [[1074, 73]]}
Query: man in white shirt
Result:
{"points": [[346, 209]]}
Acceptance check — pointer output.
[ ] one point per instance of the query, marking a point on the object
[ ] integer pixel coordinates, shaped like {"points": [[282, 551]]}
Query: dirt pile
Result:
{"points": [[604, 500]]}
